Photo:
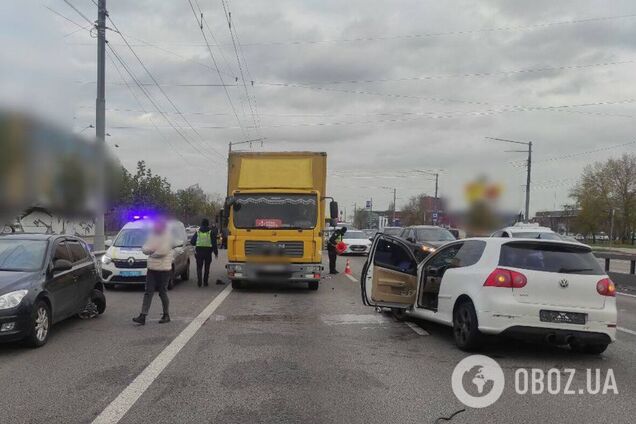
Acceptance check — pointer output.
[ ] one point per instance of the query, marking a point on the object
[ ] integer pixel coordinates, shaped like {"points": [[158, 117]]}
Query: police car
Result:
{"points": [[125, 263]]}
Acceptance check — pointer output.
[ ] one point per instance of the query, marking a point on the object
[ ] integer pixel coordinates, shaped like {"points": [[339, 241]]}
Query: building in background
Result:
{"points": [[561, 221]]}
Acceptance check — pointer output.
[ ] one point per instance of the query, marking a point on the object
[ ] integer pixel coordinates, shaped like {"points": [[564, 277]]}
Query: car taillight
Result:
{"points": [[506, 278], [606, 287]]}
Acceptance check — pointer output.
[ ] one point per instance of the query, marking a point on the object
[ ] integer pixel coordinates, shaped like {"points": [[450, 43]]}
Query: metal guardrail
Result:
{"points": [[608, 256]]}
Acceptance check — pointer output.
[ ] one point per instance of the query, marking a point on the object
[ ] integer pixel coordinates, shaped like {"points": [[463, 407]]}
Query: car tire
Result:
{"points": [[313, 285], [40, 325], [237, 285], [466, 327], [185, 275], [109, 286], [589, 349], [100, 300]]}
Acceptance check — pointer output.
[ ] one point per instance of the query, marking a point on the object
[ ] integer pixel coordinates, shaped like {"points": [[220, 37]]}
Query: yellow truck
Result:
{"points": [[275, 216]]}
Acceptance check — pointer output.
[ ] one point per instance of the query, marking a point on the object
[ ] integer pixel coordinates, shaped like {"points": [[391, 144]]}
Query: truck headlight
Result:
{"points": [[106, 259], [12, 299]]}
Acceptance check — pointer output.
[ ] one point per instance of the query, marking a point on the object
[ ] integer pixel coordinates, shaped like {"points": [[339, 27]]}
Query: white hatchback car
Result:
{"points": [[357, 242], [530, 289]]}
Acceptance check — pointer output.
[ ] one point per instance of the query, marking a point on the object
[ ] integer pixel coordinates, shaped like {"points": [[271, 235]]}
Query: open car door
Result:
{"points": [[389, 277]]}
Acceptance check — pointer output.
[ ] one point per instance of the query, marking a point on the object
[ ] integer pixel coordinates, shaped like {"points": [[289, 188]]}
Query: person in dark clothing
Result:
{"points": [[335, 238], [205, 242]]}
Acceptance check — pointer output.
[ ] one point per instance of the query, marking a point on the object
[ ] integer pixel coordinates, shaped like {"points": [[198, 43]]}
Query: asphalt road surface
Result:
{"points": [[284, 354]]}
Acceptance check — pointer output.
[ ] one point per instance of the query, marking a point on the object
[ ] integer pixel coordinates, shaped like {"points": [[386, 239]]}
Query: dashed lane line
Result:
{"points": [[129, 396], [351, 277]]}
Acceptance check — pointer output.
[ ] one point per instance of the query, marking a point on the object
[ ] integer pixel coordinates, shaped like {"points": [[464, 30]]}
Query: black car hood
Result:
{"points": [[13, 280]]}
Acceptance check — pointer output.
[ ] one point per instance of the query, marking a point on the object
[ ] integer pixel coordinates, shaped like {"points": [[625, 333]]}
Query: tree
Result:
{"points": [[607, 188]]}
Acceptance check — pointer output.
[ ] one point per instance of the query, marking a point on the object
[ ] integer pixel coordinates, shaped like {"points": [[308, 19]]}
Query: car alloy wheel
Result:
{"points": [[41, 327], [463, 325]]}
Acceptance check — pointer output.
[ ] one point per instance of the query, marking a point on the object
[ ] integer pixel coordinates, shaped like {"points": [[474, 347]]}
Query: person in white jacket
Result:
{"points": [[158, 247]]}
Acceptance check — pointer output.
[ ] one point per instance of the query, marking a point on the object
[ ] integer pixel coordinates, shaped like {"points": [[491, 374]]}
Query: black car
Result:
{"points": [[425, 239], [45, 279]]}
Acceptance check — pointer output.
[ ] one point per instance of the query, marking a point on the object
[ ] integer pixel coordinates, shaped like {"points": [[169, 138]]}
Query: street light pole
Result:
{"points": [[394, 205], [528, 166], [100, 124]]}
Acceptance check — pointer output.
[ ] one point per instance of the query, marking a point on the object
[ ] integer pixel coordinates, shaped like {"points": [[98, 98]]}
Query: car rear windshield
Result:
{"points": [[394, 231], [433, 234], [22, 255], [355, 235], [550, 257]]}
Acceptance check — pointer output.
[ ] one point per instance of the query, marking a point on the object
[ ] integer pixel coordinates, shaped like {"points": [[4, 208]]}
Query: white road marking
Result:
{"points": [[625, 294], [127, 398], [626, 330], [351, 277], [353, 319], [419, 330]]}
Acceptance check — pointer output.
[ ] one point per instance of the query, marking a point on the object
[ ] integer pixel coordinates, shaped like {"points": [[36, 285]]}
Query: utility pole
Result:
{"points": [[394, 205], [528, 166], [100, 124]]}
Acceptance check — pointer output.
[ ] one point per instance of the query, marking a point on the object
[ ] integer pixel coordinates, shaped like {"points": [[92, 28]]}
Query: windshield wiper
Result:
{"points": [[567, 270]]}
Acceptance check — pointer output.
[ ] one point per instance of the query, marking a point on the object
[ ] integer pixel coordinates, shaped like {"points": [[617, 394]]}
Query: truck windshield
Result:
{"points": [[294, 211]]}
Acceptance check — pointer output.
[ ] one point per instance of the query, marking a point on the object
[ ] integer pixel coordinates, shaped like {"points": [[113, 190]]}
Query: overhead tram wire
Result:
{"points": [[239, 51], [217, 44], [216, 66], [79, 12], [153, 102], [159, 86], [132, 92]]}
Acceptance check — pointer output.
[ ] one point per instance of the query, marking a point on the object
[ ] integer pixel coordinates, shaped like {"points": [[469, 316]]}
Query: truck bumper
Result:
{"points": [[273, 272]]}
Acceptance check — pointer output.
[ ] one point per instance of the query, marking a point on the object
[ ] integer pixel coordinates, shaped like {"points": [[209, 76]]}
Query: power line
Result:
{"points": [[228, 17], [152, 101], [68, 19], [530, 27], [473, 74], [227, 93], [159, 86], [141, 106], [79, 12], [587, 152]]}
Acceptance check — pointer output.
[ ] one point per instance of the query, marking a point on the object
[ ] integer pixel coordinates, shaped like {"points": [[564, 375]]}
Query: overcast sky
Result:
{"points": [[386, 88]]}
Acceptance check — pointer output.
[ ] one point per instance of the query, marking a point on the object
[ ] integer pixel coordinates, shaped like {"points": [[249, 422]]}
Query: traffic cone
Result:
{"points": [[348, 268]]}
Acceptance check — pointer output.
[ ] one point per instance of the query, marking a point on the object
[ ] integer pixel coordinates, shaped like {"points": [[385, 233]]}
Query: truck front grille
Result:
{"points": [[291, 249]]}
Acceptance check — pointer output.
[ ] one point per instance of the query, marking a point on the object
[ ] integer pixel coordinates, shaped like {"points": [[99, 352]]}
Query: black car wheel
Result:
{"points": [[237, 285], [313, 285], [40, 324], [465, 327]]}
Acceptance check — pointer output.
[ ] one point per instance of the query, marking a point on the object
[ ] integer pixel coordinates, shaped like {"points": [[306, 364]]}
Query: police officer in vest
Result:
{"points": [[205, 244], [335, 238]]}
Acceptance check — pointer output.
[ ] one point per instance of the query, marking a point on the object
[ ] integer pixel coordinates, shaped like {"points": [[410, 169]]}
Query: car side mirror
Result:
{"points": [[108, 243], [333, 209], [62, 265]]}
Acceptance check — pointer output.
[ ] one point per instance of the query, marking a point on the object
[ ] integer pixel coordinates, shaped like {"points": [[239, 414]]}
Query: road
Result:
{"points": [[285, 354]]}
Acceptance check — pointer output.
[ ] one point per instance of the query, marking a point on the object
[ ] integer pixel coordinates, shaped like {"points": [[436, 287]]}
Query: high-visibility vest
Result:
{"points": [[204, 239]]}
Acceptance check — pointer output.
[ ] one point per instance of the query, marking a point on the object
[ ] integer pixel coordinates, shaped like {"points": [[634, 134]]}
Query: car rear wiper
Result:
{"points": [[566, 270]]}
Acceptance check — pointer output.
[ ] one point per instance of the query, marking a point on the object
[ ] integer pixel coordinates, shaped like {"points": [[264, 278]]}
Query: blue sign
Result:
{"points": [[369, 204]]}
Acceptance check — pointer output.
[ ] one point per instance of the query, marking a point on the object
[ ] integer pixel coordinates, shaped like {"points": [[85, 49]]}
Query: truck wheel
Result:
{"points": [[313, 285], [236, 285]]}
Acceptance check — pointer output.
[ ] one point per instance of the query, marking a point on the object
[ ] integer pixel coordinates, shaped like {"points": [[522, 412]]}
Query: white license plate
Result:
{"points": [[274, 268]]}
